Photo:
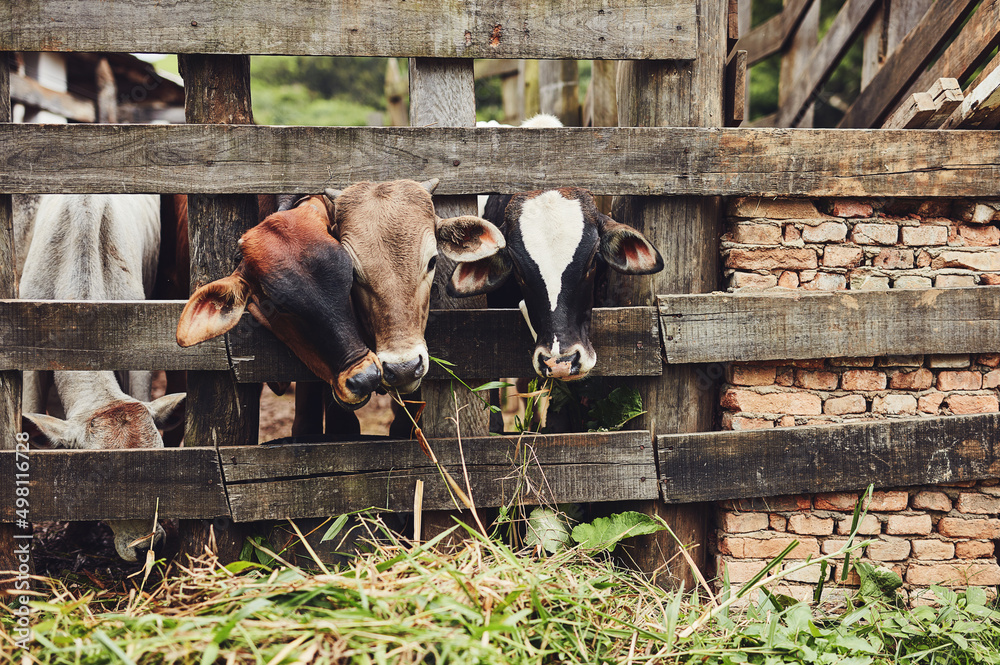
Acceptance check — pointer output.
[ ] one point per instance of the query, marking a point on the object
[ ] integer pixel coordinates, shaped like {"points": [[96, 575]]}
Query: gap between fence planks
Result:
{"points": [[290, 481], [141, 335], [779, 326], [714, 466], [218, 159], [927, 109], [775, 34], [576, 29]]}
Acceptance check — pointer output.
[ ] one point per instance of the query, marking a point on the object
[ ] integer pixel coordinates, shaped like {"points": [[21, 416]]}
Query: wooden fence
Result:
{"points": [[673, 171]]}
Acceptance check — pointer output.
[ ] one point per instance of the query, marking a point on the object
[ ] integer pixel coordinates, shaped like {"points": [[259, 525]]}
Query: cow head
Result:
{"points": [[122, 422], [393, 237], [554, 239], [295, 278]]}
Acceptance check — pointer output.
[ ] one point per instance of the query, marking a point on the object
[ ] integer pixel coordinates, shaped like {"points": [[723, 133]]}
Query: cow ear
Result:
{"points": [[472, 278], [167, 411], [57, 432], [213, 310], [626, 250], [468, 238]]}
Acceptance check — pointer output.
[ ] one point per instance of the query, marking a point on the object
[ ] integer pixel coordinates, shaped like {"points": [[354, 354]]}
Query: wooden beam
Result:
{"points": [[779, 326], [119, 484], [795, 59], [76, 335], [319, 480], [906, 63], [771, 462], [483, 69], [838, 38], [775, 34], [947, 94], [736, 88], [913, 113], [577, 29], [614, 160], [980, 107], [30, 92]]}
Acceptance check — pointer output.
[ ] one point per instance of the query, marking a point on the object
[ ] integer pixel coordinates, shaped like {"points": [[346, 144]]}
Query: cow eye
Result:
{"points": [[432, 263]]}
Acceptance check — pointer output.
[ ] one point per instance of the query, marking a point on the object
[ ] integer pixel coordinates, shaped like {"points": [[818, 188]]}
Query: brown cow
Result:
{"points": [[393, 235]]}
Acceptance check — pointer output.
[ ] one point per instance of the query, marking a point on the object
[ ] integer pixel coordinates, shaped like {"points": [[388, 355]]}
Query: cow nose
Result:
{"points": [[365, 381], [559, 367], [398, 374]]}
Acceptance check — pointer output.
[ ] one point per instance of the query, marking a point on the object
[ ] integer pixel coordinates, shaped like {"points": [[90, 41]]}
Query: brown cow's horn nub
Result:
{"points": [[430, 185], [332, 194]]}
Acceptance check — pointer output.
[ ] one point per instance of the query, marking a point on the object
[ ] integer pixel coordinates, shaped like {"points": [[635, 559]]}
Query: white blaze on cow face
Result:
{"points": [[551, 229]]}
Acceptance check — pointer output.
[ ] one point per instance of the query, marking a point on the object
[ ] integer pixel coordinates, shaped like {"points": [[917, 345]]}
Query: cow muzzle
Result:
{"points": [[353, 388], [565, 365], [403, 372]]}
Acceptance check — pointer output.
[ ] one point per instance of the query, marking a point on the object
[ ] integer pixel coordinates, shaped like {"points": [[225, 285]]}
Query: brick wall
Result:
{"points": [[928, 535]]}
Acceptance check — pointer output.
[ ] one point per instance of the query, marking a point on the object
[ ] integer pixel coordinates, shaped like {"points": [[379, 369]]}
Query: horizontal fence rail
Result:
{"points": [[713, 466], [576, 29], [298, 480], [141, 335], [218, 159], [844, 324]]}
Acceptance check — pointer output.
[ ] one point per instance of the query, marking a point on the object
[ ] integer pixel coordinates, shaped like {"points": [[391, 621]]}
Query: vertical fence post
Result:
{"points": [[10, 381], [558, 90], [220, 412], [686, 230], [795, 59], [442, 94]]}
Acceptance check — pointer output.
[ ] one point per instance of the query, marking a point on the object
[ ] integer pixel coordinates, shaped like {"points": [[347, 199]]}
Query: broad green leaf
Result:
{"points": [[547, 529], [605, 532], [620, 406]]}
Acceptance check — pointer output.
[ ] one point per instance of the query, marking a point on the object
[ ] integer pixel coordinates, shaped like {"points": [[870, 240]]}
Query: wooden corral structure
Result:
{"points": [[679, 86]]}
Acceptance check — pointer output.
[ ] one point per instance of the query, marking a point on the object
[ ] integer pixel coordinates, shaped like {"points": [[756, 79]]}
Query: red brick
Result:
{"points": [[978, 504], [766, 548], [751, 375], [826, 281], [875, 234], [949, 361], [957, 527], [771, 259], [982, 236], [949, 281], [842, 501], [962, 574], [889, 501], [986, 261], [794, 403], [991, 379], [868, 526], [740, 571], [752, 281], [757, 234], [938, 501], [865, 361], [901, 361], [838, 406], [903, 525], [785, 376], [919, 379], [925, 234], [923, 258], [743, 522], [831, 545], [825, 232], [850, 208], [863, 379], [894, 404], [894, 259], [989, 279], [842, 256], [786, 421], [963, 404], [865, 280], [912, 282], [889, 549], [930, 403], [810, 524], [787, 502], [974, 549], [959, 381], [792, 233], [816, 380], [778, 523], [769, 208], [734, 422], [789, 280], [933, 549], [810, 363], [989, 359]]}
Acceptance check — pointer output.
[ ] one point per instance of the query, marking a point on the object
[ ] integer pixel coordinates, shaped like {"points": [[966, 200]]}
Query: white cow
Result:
{"points": [[97, 247]]}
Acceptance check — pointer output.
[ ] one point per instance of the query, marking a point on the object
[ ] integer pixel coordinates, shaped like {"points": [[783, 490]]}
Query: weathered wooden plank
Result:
{"points": [[796, 58], [914, 113], [889, 453], [948, 96], [486, 68], [824, 58], [24, 90], [736, 88], [323, 479], [216, 159], [980, 106], [777, 326], [79, 335], [774, 34], [907, 61], [579, 29], [118, 484]]}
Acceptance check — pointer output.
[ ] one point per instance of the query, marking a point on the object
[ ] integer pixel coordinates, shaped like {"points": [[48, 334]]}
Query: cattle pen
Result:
{"points": [[671, 335]]}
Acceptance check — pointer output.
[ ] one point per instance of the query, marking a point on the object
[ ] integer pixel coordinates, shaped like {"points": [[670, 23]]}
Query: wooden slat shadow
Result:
{"points": [[116, 484], [771, 462], [786, 326]]}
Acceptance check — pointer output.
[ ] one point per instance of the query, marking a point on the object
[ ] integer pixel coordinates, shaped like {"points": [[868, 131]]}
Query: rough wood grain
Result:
{"points": [[119, 484], [776, 326], [616, 160], [775, 34], [979, 107], [107, 92], [838, 38], [558, 90], [891, 453], [905, 64], [736, 88], [796, 58], [323, 479], [913, 113], [579, 29], [948, 96], [30, 92]]}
